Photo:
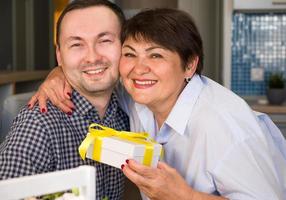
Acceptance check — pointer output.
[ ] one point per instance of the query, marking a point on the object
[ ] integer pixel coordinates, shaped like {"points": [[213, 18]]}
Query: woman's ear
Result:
{"points": [[191, 67], [58, 54]]}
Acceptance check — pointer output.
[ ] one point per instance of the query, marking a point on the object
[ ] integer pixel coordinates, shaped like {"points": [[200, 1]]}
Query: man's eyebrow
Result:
{"points": [[73, 38], [104, 34]]}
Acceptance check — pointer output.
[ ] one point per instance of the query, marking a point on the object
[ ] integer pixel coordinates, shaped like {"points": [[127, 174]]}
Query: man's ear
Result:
{"points": [[191, 67], [58, 54]]}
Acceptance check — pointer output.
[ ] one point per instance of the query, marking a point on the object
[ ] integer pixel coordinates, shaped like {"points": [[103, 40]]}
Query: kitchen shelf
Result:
{"points": [[20, 76], [270, 109]]}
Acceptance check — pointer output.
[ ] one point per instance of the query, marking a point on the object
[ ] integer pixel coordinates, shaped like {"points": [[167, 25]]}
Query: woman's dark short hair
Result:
{"points": [[171, 28], [81, 4]]}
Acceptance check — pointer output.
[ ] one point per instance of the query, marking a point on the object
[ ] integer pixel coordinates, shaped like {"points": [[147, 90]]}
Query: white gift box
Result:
{"points": [[115, 151]]}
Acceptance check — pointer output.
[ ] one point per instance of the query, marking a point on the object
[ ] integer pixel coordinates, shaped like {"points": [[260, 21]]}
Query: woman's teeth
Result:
{"points": [[145, 82]]}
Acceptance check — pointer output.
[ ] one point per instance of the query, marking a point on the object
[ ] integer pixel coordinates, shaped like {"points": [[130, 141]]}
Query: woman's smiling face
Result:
{"points": [[151, 74]]}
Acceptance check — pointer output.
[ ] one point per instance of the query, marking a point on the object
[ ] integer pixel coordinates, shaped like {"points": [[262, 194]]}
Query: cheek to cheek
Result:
{"points": [[122, 68], [128, 84]]}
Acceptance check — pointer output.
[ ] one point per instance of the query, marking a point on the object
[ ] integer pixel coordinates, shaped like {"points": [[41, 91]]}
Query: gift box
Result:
{"points": [[112, 147]]}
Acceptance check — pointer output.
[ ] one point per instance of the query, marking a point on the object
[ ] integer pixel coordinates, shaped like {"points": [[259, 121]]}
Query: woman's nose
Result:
{"points": [[141, 67]]}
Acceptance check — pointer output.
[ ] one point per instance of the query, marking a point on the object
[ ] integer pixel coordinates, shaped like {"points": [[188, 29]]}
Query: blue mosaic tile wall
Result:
{"points": [[258, 40]]}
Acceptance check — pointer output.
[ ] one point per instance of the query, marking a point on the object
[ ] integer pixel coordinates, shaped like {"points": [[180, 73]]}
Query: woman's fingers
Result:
{"points": [[164, 166], [67, 90], [64, 104], [42, 99], [141, 169], [33, 100], [56, 89], [69, 104], [134, 174]]}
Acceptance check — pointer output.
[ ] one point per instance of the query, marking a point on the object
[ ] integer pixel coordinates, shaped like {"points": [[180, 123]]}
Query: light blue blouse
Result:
{"points": [[217, 143]]}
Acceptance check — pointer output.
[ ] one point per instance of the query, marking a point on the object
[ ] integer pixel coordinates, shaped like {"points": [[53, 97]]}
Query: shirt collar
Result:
{"points": [[84, 107], [185, 105], [181, 112], [146, 118]]}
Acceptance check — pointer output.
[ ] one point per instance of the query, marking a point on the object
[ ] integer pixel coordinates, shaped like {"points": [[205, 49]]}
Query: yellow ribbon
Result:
{"points": [[96, 136]]}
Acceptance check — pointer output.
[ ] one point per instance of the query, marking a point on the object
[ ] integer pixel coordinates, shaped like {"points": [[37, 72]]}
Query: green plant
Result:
{"points": [[276, 80]]}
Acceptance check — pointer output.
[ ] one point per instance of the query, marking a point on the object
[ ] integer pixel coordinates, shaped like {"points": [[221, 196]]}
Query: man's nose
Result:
{"points": [[93, 54]]}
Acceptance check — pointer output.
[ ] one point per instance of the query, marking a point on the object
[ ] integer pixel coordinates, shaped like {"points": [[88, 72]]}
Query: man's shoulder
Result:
{"points": [[30, 124], [32, 139], [50, 116]]}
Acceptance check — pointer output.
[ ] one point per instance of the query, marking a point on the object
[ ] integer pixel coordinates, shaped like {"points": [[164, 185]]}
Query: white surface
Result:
{"points": [[122, 146], [82, 177], [259, 4], [114, 152]]}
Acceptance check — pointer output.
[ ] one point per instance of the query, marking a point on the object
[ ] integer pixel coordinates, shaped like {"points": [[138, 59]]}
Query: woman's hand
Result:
{"points": [[163, 182], [56, 89]]}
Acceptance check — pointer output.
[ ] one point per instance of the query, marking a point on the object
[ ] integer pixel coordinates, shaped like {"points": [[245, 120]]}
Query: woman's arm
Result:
{"points": [[56, 89]]}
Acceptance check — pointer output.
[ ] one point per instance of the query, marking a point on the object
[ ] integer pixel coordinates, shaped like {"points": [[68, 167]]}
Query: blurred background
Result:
{"points": [[244, 45]]}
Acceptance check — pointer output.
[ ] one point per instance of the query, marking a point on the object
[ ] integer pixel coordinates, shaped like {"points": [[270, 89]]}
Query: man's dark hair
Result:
{"points": [[171, 28], [81, 4]]}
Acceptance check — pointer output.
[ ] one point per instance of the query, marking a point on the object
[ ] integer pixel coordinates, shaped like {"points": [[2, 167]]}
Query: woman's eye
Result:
{"points": [[156, 55], [128, 55]]}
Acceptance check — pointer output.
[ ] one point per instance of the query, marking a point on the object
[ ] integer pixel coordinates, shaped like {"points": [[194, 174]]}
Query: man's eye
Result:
{"points": [[76, 45], [128, 55], [106, 41], [156, 55]]}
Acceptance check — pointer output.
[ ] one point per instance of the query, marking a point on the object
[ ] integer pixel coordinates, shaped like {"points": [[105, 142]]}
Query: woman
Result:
{"points": [[214, 146]]}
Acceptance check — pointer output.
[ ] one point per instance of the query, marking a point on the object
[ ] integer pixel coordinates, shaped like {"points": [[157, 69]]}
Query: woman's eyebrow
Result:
{"points": [[154, 47], [129, 47]]}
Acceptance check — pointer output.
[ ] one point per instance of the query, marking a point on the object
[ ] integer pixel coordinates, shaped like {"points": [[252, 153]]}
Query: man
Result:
{"points": [[88, 49]]}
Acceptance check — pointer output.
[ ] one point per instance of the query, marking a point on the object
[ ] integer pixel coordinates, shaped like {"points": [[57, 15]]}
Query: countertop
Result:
{"points": [[269, 109], [260, 104], [277, 113], [19, 76]]}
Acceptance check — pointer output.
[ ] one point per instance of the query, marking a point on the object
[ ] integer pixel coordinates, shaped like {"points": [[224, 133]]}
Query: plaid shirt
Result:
{"points": [[39, 143]]}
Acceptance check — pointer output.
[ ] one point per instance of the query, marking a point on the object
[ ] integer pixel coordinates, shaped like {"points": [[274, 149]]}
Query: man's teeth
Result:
{"points": [[145, 82], [94, 71]]}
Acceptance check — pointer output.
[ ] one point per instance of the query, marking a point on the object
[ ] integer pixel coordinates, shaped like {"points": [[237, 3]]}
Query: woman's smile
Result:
{"points": [[143, 83]]}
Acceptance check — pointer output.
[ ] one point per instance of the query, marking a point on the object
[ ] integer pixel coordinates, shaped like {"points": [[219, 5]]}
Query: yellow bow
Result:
{"points": [[96, 136]]}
